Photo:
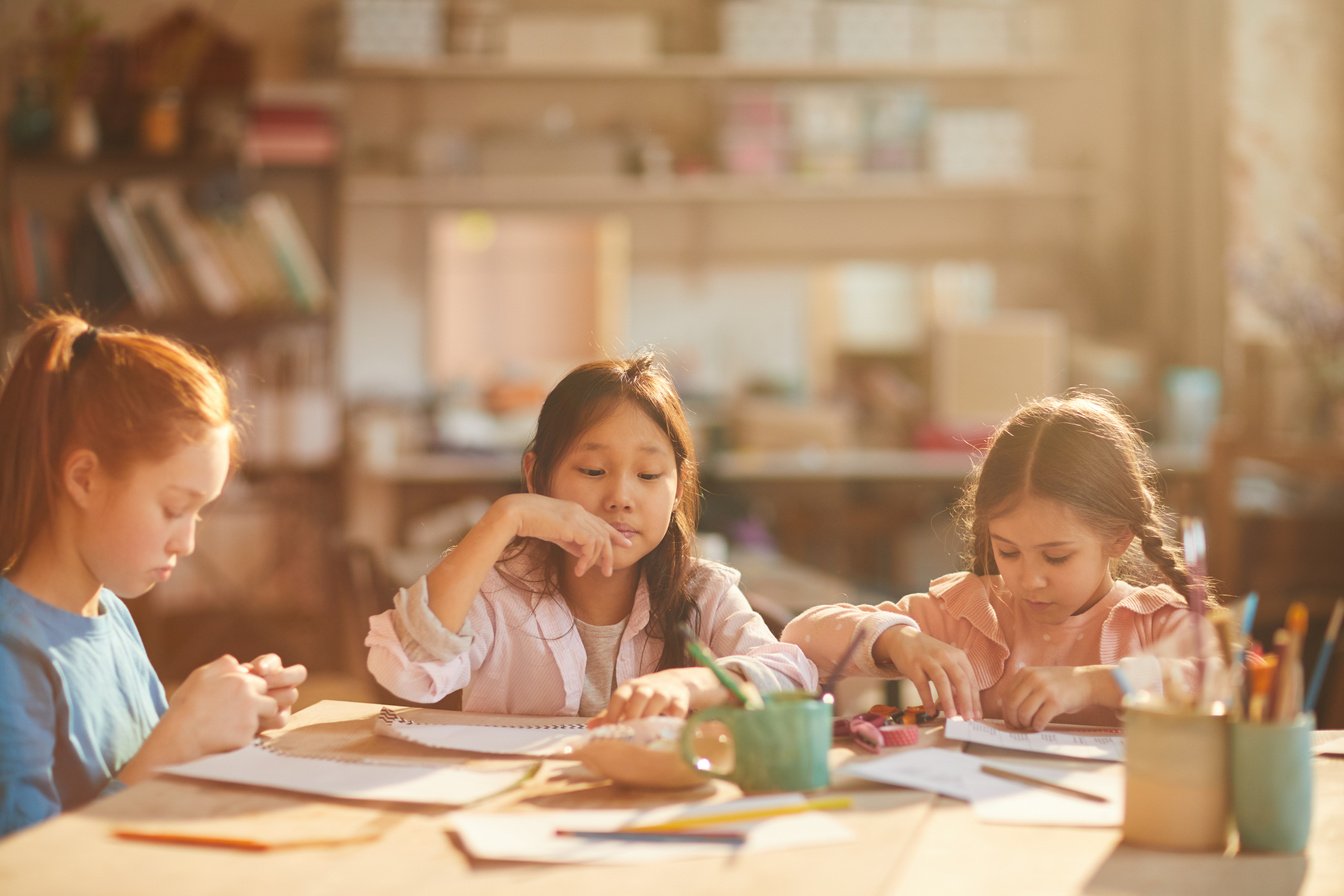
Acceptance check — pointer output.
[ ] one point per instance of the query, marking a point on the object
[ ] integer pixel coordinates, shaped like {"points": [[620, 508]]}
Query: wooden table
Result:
{"points": [[907, 842]]}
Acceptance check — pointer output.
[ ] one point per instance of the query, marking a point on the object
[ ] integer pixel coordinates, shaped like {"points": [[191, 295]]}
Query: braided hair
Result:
{"points": [[1081, 450]]}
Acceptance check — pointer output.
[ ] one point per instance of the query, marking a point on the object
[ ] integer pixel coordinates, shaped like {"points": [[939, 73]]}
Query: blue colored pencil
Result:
{"points": [[1323, 658], [732, 838], [1248, 615]]}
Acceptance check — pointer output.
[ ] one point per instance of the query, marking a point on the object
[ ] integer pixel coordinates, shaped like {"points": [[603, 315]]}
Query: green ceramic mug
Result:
{"points": [[1271, 784], [783, 745]]}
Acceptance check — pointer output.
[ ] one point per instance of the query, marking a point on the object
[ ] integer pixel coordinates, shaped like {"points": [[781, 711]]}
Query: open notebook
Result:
{"points": [[514, 739]]}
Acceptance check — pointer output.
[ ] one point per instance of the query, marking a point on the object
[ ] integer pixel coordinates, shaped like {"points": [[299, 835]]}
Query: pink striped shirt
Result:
{"points": [[525, 656], [967, 611]]}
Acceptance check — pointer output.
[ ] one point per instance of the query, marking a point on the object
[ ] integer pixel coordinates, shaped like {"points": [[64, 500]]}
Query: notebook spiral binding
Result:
{"points": [[390, 717], [270, 747]]}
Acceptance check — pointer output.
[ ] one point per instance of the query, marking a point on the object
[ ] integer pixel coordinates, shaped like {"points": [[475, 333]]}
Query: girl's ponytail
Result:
{"points": [[32, 428]]}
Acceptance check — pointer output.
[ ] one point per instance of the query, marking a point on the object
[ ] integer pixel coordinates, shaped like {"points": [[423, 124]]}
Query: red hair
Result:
{"points": [[129, 397]]}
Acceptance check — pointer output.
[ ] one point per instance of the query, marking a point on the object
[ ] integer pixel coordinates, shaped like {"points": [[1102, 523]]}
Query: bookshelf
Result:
{"points": [[649, 136], [262, 563]]}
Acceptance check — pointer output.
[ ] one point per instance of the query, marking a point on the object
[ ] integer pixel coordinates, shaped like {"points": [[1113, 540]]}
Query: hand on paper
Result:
{"points": [[282, 686], [221, 706], [931, 664], [671, 692], [1034, 695], [564, 523]]}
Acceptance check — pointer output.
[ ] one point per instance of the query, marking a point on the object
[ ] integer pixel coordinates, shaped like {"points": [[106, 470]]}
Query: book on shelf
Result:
{"points": [[127, 249], [290, 246], [36, 257], [160, 253], [289, 133]]}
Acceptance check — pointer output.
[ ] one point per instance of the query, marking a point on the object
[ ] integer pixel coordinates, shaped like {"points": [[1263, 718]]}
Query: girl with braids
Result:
{"points": [[111, 443], [568, 598], [1061, 506]]}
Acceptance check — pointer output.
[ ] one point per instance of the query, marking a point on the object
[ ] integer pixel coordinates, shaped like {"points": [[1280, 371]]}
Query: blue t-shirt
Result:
{"points": [[78, 697]]}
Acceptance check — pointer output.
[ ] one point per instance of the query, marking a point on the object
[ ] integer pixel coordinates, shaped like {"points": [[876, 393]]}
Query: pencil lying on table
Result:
{"points": [[732, 838], [713, 818], [1041, 782]]}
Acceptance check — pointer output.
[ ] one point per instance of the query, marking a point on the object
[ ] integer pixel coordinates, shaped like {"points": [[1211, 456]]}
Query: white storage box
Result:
{"points": [[778, 32], [393, 30]]}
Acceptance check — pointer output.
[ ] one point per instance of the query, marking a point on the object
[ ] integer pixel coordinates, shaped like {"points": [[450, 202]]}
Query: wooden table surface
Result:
{"points": [[906, 842]]}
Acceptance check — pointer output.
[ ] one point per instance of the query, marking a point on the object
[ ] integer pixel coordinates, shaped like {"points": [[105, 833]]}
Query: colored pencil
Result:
{"points": [[702, 656], [713, 818], [1323, 658], [734, 838], [1288, 701], [829, 686], [1193, 547]]}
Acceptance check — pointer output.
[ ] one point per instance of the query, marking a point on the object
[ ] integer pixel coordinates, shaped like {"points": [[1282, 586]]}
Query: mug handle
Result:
{"points": [[722, 714]]}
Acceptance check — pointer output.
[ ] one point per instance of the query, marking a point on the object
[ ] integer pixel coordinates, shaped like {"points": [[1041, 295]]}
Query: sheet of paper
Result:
{"points": [[999, 801], [520, 740], [1071, 741], [532, 837], [261, 766], [958, 775], [1330, 748], [931, 768]]}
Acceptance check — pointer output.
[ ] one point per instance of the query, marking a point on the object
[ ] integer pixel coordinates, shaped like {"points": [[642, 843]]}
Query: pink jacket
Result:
{"points": [[525, 657], [966, 610]]}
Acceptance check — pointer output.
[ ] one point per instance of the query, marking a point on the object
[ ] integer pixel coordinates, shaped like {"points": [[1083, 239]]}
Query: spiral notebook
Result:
{"points": [[261, 765], [514, 739]]}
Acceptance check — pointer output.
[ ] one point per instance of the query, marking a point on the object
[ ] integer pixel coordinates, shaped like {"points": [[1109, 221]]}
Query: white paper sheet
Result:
{"points": [[1071, 741], [958, 775], [1330, 748], [261, 766], [998, 801], [502, 740], [931, 768], [532, 837]]}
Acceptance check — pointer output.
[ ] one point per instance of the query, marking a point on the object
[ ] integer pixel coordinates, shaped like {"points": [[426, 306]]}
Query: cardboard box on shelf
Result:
{"points": [[770, 424], [616, 38]]}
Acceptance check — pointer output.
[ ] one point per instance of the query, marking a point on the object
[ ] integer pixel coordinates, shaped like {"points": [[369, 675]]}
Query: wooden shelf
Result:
{"points": [[706, 68], [394, 190]]}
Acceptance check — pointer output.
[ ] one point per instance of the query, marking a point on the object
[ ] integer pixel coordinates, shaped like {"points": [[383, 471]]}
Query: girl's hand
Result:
{"points": [[926, 661], [282, 686], [221, 706], [1034, 695], [564, 523], [671, 692]]}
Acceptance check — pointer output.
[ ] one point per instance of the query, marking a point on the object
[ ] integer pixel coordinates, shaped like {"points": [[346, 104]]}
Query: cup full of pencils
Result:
{"points": [[1270, 744]]}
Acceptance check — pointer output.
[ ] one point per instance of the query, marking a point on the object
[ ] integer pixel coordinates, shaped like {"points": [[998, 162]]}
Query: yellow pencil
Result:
{"points": [[698, 821]]}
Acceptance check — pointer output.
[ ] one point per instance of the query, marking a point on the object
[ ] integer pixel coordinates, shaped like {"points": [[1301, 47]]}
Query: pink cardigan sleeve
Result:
{"points": [[738, 635], [423, 679], [824, 632]]}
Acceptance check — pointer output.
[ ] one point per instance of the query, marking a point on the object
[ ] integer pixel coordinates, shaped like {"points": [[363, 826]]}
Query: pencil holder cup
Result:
{"points": [[1271, 784], [783, 745], [1176, 779]]}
